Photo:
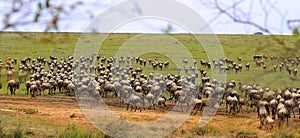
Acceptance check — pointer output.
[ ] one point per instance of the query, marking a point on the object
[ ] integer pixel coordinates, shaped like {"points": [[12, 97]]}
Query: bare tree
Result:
{"points": [[48, 14], [239, 14], [44, 13], [235, 12]]}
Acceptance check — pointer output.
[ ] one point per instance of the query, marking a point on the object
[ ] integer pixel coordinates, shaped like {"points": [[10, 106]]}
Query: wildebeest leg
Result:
{"points": [[160, 108], [241, 109], [293, 112], [299, 111], [130, 108], [279, 121], [135, 108], [234, 107], [116, 94], [54, 89], [273, 113], [257, 112], [121, 102], [31, 94], [59, 89], [27, 90], [201, 109], [260, 124], [226, 107], [40, 91], [181, 107], [171, 96], [11, 90], [287, 121], [187, 109], [197, 107], [50, 91], [268, 110], [193, 110]]}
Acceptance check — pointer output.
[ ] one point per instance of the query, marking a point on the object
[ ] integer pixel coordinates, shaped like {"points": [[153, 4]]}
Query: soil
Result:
{"points": [[65, 110]]}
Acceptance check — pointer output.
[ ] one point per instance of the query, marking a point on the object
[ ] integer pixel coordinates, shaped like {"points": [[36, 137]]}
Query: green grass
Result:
{"points": [[28, 111], [18, 127], [20, 45], [72, 131], [248, 132], [207, 131]]}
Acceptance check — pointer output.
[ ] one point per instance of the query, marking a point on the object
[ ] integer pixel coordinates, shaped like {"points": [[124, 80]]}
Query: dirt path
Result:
{"points": [[52, 109], [65, 110]]}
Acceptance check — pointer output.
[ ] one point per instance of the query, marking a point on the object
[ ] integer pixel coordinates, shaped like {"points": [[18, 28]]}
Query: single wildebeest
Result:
{"points": [[12, 85]]}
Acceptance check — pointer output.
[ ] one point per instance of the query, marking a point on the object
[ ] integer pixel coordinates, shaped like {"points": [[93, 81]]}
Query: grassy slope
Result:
{"points": [[21, 45]]}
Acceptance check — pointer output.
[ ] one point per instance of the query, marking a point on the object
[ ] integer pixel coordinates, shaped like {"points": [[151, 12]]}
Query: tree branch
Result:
{"points": [[289, 22], [242, 20]]}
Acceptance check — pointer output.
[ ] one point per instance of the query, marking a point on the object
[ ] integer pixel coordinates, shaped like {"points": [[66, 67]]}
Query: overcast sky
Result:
{"points": [[79, 19]]}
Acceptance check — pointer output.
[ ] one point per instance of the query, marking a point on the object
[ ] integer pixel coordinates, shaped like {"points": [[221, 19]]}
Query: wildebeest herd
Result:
{"points": [[115, 78]]}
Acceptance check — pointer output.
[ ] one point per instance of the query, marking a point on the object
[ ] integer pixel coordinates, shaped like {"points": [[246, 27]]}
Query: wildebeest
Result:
{"points": [[282, 114], [47, 85], [33, 91], [12, 85]]}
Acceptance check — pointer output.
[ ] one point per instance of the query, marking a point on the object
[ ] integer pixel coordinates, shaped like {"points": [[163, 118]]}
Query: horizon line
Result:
{"points": [[76, 32]]}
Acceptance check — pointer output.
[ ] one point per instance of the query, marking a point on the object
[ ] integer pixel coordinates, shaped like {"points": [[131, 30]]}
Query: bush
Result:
{"points": [[258, 33], [28, 111], [18, 132], [31, 111], [14, 133], [246, 132], [285, 134], [296, 31], [249, 134], [72, 131], [206, 131], [1, 130]]}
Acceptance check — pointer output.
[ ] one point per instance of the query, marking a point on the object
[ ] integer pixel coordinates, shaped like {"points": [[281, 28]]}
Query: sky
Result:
{"points": [[271, 14]]}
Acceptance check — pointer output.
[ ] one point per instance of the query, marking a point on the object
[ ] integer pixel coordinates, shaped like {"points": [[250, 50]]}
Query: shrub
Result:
{"points": [[72, 131], [206, 131], [258, 33], [249, 134], [1, 130], [18, 132], [31, 111]]}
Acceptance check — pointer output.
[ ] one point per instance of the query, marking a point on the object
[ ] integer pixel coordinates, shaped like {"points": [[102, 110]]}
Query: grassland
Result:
{"points": [[20, 45]]}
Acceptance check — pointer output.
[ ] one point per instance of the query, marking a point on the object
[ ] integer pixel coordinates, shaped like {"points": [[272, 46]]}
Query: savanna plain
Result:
{"points": [[59, 115]]}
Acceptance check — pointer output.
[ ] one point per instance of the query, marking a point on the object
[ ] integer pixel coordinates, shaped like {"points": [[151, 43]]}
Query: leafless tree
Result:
{"points": [[44, 13], [238, 14]]}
